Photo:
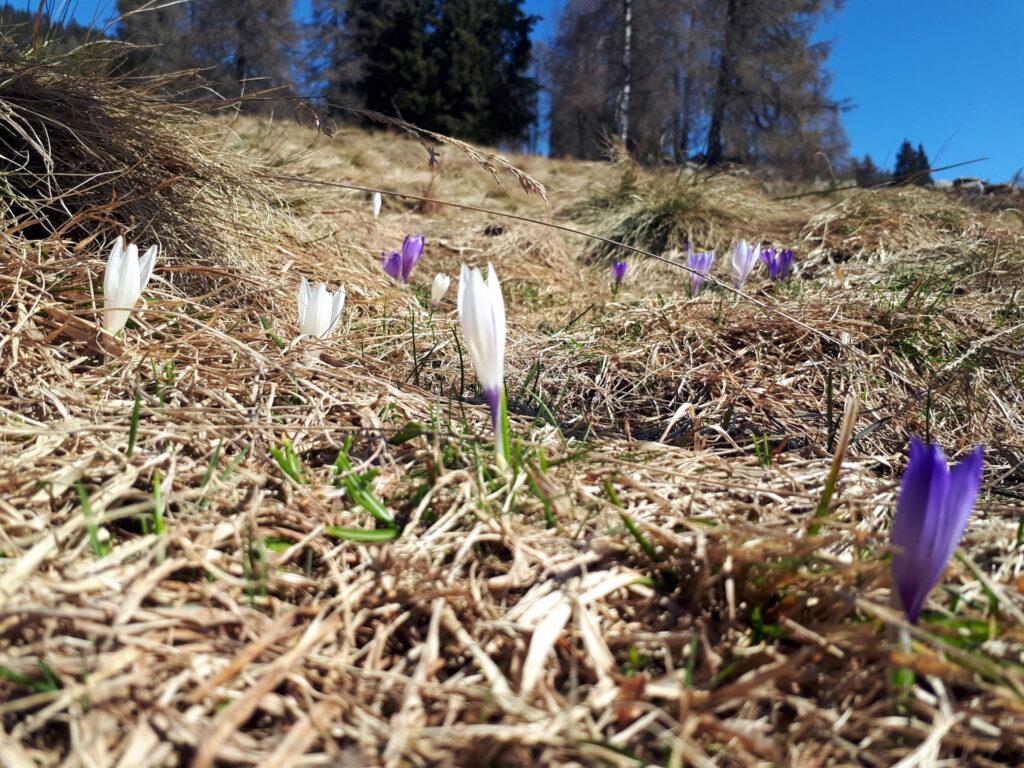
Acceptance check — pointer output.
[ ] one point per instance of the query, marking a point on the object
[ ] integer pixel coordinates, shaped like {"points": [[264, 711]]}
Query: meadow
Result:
{"points": [[221, 544]]}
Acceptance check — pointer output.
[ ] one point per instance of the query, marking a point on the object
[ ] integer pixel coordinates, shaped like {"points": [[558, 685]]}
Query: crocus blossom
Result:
{"points": [[399, 265], [319, 309], [619, 271], [779, 263], [124, 281], [931, 515], [482, 315], [743, 261], [439, 287], [699, 264], [375, 204]]}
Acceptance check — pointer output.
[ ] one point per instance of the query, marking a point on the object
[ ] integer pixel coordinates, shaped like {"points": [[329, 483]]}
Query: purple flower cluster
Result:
{"points": [[779, 263], [399, 265]]}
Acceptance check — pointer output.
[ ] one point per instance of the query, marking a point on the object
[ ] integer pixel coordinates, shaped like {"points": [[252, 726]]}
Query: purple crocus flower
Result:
{"points": [[785, 263], [619, 270], [412, 249], [700, 263], [934, 505], [399, 265], [779, 263]]}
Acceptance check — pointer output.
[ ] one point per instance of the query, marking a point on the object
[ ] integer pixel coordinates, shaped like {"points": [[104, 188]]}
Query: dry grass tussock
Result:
{"points": [[644, 588]]}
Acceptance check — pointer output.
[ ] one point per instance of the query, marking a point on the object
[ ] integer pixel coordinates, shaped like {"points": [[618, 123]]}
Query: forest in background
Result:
{"points": [[669, 81]]}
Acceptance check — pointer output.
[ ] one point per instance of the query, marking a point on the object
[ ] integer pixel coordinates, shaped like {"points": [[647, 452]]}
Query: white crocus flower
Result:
{"points": [[482, 314], [124, 281], [376, 204], [439, 287], [319, 309], [743, 261]]}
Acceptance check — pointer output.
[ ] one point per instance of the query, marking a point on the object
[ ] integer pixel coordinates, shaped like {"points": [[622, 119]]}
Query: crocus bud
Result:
{"points": [[482, 315], [412, 249], [439, 287], [376, 204], [743, 261], [619, 271], [785, 263], [931, 515], [124, 281], [399, 265], [700, 265]]}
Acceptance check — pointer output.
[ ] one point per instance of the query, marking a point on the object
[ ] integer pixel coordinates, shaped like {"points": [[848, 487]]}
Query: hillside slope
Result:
{"points": [[648, 585]]}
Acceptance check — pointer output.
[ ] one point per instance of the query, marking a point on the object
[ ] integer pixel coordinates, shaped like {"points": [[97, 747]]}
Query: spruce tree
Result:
{"points": [[482, 49], [906, 162], [333, 63], [456, 66], [390, 46], [923, 167], [60, 35]]}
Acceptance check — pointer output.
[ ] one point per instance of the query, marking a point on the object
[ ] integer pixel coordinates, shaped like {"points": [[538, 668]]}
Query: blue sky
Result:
{"points": [[946, 73]]}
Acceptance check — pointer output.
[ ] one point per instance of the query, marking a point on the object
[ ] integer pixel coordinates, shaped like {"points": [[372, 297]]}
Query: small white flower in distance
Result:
{"points": [[439, 287]]}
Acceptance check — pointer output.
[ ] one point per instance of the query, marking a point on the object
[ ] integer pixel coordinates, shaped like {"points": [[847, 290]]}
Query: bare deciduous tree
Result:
{"points": [[740, 79], [242, 46]]}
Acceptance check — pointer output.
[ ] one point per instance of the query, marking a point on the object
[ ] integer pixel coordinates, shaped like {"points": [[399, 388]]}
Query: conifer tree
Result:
{"points": [[59, 35], [906, 162], [392, 55], [922, 167], [457, 66]]}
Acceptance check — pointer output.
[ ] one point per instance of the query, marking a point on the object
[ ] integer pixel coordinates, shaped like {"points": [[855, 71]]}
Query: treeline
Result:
{"points": [[456, 66], [671, 81], [19, 26], [912, 167]]}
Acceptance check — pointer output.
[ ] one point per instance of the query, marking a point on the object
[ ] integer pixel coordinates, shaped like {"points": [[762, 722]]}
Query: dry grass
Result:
{"points": [[642, 588]]}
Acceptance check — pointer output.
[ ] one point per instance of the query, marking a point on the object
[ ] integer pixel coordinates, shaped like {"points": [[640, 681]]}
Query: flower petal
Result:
{"points": [[146, 268], [337, 306], [392, 263], [412, 248], [303, 302], [917, 526], [964, 484], [112, 273]]}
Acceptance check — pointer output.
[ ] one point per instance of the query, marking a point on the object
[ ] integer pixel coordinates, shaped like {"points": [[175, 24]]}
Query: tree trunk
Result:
{"points": [[627, 72], [683, 146], [723, 87]]}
